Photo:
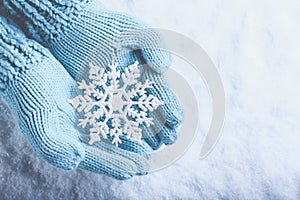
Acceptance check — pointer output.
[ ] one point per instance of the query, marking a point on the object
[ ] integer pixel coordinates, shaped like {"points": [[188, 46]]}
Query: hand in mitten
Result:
{"points": [[36, 87], [79, 33]]}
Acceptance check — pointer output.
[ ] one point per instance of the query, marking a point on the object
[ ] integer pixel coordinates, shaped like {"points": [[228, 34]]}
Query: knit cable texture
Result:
{"points": [[48, 17], [16, 55]]}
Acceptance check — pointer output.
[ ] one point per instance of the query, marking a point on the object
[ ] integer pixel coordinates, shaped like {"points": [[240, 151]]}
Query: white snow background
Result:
{"points": [[256, 47]]}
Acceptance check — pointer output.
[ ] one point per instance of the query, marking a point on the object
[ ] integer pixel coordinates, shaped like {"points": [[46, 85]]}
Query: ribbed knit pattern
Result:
{"points": [[77, 35], [36, 87]]}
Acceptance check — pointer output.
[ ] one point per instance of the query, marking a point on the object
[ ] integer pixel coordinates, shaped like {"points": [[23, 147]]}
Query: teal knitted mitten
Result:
{"points": [[77, 34], [36, 87]]}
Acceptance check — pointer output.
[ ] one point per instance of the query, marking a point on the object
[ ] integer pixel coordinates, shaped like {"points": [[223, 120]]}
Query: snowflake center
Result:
{"points": [[117, 102]]}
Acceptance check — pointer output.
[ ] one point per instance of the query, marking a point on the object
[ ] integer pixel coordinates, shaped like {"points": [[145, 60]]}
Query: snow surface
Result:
{"points": [[255, 46]]}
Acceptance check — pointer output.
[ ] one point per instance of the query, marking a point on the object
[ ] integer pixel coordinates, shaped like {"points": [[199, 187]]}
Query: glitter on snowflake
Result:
{"points": [[115, 103]]}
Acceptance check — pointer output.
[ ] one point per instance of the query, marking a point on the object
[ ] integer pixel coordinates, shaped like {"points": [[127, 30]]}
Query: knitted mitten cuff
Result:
{"points": [[46, 18], [17, 53]]}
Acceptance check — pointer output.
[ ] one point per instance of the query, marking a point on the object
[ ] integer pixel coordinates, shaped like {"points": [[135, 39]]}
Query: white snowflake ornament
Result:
{"points": [[115, 103]]}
